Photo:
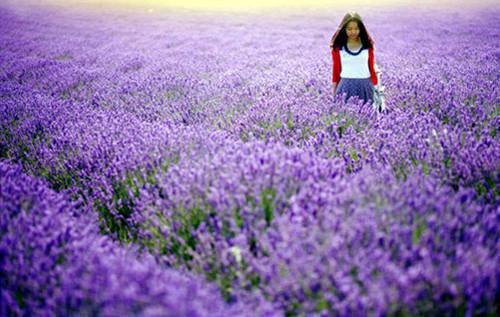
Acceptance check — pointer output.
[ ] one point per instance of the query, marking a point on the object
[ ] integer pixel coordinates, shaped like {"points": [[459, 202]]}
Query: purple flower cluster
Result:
{"points": [[182, 164], [53, 261], [313, 238]]}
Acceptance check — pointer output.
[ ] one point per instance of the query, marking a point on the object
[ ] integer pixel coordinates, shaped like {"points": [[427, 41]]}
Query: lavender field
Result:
{"points": [[178, 163]]}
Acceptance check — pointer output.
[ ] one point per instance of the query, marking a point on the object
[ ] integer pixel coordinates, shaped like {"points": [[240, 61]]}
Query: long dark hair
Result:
{"points": [[339, 38]]}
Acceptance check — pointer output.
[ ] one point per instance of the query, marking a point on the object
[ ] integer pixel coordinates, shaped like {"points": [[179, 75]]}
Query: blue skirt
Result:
{"points": [[360, 87]]}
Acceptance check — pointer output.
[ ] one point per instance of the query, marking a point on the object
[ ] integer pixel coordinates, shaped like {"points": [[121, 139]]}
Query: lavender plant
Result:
{"points": [[175, 163]]}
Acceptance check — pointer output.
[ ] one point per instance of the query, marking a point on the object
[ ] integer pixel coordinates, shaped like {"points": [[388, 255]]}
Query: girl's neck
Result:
{"points": [[353, 42]]}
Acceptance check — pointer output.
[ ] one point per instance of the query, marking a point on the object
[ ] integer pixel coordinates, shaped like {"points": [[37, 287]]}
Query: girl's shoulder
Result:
{"points": [[336, 49]]}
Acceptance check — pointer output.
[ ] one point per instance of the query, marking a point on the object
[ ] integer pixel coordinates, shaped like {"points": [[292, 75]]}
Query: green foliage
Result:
{"points": [[487, 186], [124, 193], [419, 227], [254, 280], [244, 136], [267, 197], [112, 224], [447, 161], [238, 219], [187, 221], [278, 124], [62, 179], [19, 295], [293, 307], [400, 170], [72, 89], [289, 121], [493, 132], [343, 122], [354, 155], [157, 241], [445, 119], [425, 167]]}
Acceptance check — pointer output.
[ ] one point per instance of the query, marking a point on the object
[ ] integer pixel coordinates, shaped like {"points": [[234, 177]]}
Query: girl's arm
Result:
{"points": [[371, 66], [336, 69]]}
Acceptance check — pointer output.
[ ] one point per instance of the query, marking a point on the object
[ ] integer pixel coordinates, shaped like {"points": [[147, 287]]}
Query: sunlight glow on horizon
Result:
{"points": [[232, 4], [249, 5]]}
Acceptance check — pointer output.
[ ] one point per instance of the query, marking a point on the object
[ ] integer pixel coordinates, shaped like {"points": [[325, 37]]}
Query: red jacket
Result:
{"points": [[337, 65]]}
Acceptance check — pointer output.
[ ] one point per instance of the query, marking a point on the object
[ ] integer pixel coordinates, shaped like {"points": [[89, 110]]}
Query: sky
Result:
{"points": [[239, 4], [249, 5]]}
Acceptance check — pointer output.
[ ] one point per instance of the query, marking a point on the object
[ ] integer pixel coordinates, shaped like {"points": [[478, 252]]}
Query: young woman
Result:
{"points": [[353, 59]]}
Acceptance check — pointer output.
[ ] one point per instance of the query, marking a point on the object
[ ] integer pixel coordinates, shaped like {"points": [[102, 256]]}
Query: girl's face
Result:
{"points": [[352, 30]]}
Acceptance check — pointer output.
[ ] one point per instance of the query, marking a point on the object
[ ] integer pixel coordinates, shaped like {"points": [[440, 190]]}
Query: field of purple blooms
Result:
{"points": [[165, 163]]}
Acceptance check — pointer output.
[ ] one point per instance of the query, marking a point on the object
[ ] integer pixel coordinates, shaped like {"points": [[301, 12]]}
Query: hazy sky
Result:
{"points": [[244, 5]]}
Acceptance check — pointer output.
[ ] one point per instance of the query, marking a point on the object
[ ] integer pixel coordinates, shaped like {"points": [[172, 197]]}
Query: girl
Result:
{"points": [[353, 59]]}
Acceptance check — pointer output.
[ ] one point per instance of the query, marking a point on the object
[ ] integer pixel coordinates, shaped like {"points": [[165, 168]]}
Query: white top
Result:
{"points": [[354, 64]]}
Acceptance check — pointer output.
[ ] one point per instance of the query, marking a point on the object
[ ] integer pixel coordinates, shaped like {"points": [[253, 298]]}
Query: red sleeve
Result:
{"points": [[336, 66], [371, 66]]}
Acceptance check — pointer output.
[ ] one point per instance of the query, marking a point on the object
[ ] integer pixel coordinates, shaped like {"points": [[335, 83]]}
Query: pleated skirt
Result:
{"points": [[359, 87]]}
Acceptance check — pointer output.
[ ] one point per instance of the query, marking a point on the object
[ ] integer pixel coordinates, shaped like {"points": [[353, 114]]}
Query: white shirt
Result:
{"points": [[354, 64]]}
